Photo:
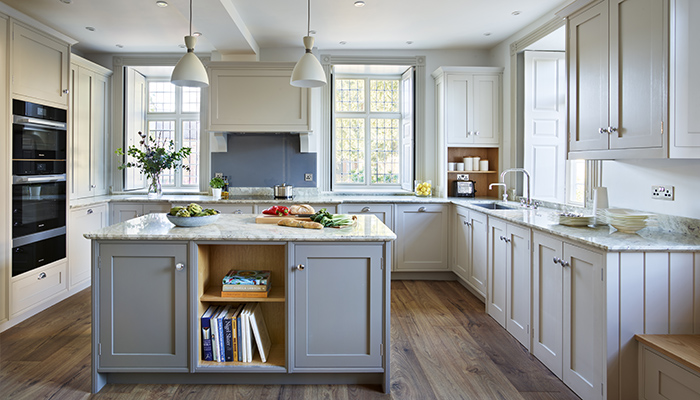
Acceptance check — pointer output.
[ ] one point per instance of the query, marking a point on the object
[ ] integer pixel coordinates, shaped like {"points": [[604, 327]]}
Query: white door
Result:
{"points": [[547, 275], [545, 123], [497, 264], [518, 283]]}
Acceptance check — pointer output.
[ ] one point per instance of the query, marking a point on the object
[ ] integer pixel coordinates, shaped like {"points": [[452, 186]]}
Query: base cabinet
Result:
{"points": [[140, 307], [121, 212], [338, 304], [568, 313], [508, 297], [470, 239], [421, 243], [80, 221]]}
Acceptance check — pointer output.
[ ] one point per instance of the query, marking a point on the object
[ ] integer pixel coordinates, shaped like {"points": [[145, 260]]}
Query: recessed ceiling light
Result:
{"points": [[343, 42], [90, 28], [312, 32], [182, 46], [487, 34], [161, 3], [196, 33], [409, 42], [66, 1], [359, 4], [121, 46], [516, 12]]}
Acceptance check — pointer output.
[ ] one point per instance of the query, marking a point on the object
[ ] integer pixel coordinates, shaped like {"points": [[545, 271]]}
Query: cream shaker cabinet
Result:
{"points": [[421, 243], [256, 97], [39, 67], [121, 212], [568, 313], [89, 128], [618, 95], [5, 174], [80, 221], [470, 234], [469, 105], [508, 294]]}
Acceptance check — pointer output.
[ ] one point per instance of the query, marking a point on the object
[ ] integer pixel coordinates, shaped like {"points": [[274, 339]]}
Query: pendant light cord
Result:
{"points": [[308, 17], [190, 17]]}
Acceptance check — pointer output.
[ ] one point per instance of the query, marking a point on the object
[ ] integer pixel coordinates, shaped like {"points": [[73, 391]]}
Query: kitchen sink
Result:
{"points": [[495, 206]]}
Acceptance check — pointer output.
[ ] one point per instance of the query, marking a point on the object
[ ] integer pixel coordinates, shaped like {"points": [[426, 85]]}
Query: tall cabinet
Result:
{"points": [[89, 128], [5, 172]]}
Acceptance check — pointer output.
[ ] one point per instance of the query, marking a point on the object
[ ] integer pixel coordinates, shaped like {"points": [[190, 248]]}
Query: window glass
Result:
{"points": [[350, 95], [384, 95], [190, 99], [350, 150], [161, 97], [384, 134]]}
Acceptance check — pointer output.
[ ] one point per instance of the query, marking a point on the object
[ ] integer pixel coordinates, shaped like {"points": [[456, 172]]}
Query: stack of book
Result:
{"points": [[228, 333], [243, 283]]}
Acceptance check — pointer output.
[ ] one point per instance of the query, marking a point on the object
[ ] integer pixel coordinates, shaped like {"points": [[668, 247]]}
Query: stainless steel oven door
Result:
{"points": [[38, 203], [38, 139]]}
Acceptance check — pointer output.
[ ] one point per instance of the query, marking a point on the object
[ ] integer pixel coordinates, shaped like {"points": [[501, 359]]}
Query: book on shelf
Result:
{"points": [[220, 327], [207, 354], [248, 294], [246, 288], [228, 333], [215, 335], [246, 277], [239, 333], [260, 333], [235, 317]]}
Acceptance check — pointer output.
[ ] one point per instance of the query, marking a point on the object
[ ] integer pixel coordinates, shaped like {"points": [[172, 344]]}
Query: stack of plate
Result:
{"points": [[627, 221], [574, 219]]}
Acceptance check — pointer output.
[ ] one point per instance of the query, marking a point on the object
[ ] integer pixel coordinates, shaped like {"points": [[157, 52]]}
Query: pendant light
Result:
{"points": [[190, 71], [308, 71]]}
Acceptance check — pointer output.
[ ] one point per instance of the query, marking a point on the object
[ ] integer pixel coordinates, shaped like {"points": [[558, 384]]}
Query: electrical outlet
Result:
{"points": [[308, 177], [219, 175], [662, 192]]}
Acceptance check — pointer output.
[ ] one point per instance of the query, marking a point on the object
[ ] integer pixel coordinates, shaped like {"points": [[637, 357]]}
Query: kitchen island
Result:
{"points": [[327, 312]]}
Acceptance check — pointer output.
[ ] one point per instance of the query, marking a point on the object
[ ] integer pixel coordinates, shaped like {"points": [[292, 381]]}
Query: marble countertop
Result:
{"points": [[233, 227]]}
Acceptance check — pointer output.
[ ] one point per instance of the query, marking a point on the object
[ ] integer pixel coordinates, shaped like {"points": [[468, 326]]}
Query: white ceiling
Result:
{"points": [[245, 26]]}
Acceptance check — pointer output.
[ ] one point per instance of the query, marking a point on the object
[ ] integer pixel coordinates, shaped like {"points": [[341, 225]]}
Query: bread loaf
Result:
{"points": [[299, 224], [301, 209]]}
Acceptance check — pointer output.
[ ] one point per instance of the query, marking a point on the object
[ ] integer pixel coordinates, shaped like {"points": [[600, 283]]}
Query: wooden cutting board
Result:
{"points": [[273, 219]]}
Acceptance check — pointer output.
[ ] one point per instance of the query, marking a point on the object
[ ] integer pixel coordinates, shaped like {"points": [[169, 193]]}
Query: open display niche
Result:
{"points": [[214, 261], [482, 179]]}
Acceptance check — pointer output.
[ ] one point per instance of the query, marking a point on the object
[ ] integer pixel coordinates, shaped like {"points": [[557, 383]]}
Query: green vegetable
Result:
{"points": [[329, 220], [183, 212], [174, 210], [194, 208]]}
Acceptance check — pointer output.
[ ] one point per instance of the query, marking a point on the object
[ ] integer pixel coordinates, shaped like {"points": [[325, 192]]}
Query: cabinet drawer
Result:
{"points": [[664, 379], [38, 285]]}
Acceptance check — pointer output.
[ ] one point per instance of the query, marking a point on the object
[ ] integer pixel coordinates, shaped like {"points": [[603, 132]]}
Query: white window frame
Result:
{"points": [[367, 115], [178, 116]]}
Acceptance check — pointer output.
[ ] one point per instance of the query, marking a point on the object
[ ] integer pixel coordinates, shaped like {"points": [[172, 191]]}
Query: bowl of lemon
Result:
{"points": [[423, 188]]}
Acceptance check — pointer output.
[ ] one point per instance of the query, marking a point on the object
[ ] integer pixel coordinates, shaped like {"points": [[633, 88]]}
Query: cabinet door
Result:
{"points": [[685, 81], [461, 238], [338, 307], [587, 54], [80, 150], [486, 114], [547, 316], [142, 307], [421, 243], [83, 220], [518, 283], [5, 154], [638, 73], [584, 316], [257, 99], [381, 211], [497, 264], [125, 211], [458, 110], [478, 245], [99, 134], [39, 67]]}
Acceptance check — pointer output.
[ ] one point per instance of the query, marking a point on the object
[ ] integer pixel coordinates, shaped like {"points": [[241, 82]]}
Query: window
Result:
{"points": [[173, 114], [369, 132]]}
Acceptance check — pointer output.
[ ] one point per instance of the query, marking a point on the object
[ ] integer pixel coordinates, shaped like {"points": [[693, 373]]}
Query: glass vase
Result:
{"points": [[155, 188]]}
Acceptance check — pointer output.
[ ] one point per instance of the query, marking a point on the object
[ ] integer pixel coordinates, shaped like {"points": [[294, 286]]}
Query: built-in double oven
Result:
{"points": [[38, 185]]}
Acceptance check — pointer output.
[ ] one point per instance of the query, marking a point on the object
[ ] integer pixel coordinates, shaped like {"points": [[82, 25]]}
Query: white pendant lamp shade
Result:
{"points": [[190, 71], [308, 72]]}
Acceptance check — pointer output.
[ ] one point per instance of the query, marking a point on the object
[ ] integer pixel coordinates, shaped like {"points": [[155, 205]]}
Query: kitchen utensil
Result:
{"points": [[463, 187], [484, 165], [468, 163], [475, 163], [283, 191], [451, 166], [459, 166]]}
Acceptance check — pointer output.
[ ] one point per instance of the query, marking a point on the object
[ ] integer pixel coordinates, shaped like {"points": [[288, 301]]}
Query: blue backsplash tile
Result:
{"points": [[264, 160]]}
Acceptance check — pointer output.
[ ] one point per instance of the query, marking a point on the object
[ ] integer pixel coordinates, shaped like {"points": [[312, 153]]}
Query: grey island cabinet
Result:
{"points": [[327, 313]]}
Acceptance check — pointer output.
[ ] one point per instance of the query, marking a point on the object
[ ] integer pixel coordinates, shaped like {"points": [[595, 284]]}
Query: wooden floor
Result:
{"points": [[443, 347]]}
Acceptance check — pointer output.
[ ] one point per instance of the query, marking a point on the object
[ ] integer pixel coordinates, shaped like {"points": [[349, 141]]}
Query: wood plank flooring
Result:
{"points": [[443, 346]]}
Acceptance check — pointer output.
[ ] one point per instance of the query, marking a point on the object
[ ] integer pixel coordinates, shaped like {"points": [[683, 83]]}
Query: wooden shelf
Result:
{"points": [[213, 295], [275, 360]]}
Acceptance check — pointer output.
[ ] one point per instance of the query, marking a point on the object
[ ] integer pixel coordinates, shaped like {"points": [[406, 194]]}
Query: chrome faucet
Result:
{"points": [[505, 189], [528, 200]]}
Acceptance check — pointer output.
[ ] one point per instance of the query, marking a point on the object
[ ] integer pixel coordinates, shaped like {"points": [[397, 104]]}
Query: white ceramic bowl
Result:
{"points": [[192, 221]]}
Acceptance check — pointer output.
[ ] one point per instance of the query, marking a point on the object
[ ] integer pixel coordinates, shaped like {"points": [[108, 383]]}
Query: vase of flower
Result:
{"points": [[152, 158], [155, 187]]}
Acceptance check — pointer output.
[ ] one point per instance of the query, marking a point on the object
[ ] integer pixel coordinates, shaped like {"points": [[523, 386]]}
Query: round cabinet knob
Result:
{"points": [[612, 129], [66, 91], [602, 131], [507, 240], [502, 238], [93, 186], [365, 209], [300, 267], [41, 276], [89, 211], [564, 264], [476, 133], [466, 223], [556, 260], [179, 266]]}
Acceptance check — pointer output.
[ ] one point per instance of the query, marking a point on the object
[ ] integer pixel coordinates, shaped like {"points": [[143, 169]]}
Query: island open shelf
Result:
{"points": [[214, 261]]}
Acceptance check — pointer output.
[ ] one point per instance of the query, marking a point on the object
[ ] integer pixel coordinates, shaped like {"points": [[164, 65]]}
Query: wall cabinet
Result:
{"points": [[470, 246], [421, 243], [469, 105], [89, 128], [256, 97], [39, 67], [121, 212], [508, 294], [618, 93], [568, 313], [142, 317], [80, 221], [338, 302]]}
